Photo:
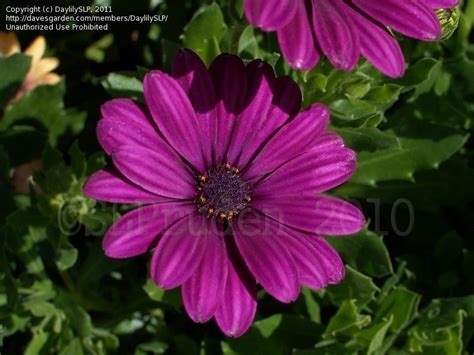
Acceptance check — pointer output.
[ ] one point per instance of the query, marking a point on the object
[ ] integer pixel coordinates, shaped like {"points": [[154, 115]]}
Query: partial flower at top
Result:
{"points": [[41, 68], [231, 177], [345, 29]]}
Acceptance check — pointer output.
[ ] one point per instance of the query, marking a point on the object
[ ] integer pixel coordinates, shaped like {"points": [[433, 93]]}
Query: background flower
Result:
{"points": [[231, 174], [344, 30], [41, 68]]}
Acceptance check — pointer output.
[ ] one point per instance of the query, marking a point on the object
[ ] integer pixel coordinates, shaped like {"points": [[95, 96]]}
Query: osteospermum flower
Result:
{"points": [[231, 176], [40, 72], [344, 29]]}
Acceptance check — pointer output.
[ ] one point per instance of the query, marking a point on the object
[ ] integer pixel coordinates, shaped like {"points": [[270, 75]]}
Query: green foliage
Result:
{"points": [[409, 292]]}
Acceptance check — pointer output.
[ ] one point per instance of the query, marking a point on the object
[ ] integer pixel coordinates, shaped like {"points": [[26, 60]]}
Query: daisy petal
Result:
{"points": [[179, 252], [336, 34], [252, 120], [315, 171], [237, 310], [410, 17], [126, 109], [297, 134], [110, 186], [258, 241], [441, 4], [175, 116], [379, 47], [320, 215], [269, 14], [135, 232], [202, 292], [297, 42], [192, 75], [152, 170], [113, 133], [318, 264], [225, 69]]}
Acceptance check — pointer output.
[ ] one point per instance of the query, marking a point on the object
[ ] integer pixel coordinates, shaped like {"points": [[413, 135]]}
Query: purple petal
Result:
{"points": [[193, 76], [135, 232], [230, 81], [298, 134], [110, 186], [126, 109], [269, 15], [441, 4], [258, 241], [336, 34], [175, 116], [244, 140], [320, 215], [328, 140], [239, 301], [162, 173], [409, 17], [379, 47], [115, 132], [286, 102], [203, 291], [297, 41], [179, 252], [318, 264], [317, 170]]}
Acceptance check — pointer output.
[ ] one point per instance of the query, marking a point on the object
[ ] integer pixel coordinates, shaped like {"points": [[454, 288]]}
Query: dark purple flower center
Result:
{"points": [[222, 194]]}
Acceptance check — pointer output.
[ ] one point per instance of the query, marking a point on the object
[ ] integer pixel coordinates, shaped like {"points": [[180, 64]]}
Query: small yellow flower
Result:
{"points": [[41, 68]]}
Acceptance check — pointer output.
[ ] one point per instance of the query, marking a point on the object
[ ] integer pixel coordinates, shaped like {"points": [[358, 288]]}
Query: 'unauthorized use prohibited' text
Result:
{"points": [[70, 18]]}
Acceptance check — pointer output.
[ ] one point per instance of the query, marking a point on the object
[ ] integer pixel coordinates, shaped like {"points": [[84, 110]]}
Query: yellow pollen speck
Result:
{"points": [[202, 179], [210, 210]]}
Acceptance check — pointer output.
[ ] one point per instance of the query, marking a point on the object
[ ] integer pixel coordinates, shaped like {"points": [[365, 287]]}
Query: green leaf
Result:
{"points": [[153, 291], [355, 286], [66, 257], [373, 337], [347, 321], [13, 70], [123, 85], [37, 343], [78, 160], [73, 348], [401, 305], [354, 251], [204, 32], [43, 107], [290, 330], [423, 146], [367, 139], [312, 306]]}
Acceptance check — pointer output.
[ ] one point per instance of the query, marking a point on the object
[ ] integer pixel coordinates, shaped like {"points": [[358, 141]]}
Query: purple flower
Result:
{"points": [[345, 29], [230, 176]]}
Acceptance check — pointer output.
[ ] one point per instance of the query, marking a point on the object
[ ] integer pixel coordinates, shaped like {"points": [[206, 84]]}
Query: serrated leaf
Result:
{"points": [[401, 305], [372, 338], [13, 71], [347, 321], [123, 85], [204, 32], [367, 139], [44, 107], [355, 286], [356, 249], [423, 146]]}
